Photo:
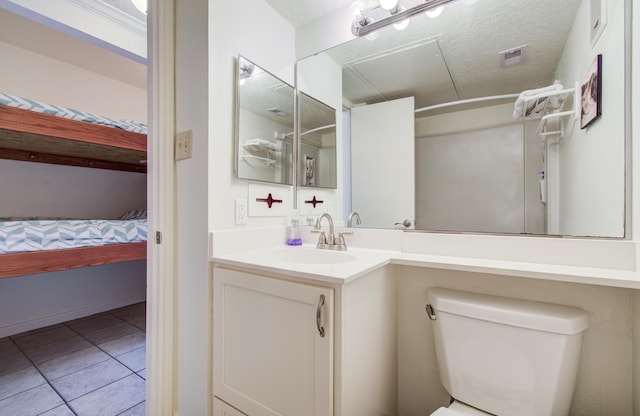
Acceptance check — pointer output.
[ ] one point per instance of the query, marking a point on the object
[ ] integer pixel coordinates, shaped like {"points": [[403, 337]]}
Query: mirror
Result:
{"points": [[317, 156], [264, 125], [477, 168]]}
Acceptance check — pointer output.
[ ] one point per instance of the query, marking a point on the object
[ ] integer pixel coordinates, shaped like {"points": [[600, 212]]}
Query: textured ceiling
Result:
{"points": [[456, 53], [300, 12]]}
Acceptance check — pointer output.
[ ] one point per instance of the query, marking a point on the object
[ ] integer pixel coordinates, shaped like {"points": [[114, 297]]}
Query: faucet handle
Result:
{"points": [[322, 239], [340, 243]]}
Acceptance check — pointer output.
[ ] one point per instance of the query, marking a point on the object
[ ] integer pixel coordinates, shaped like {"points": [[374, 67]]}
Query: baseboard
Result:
{"points": [[68, 315]]}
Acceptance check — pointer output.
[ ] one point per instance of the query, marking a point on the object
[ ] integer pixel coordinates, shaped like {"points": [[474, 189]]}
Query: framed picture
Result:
{"points": [[591, 94]]}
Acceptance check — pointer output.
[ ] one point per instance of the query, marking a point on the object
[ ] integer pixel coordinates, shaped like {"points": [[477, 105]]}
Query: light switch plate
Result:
{"points": [[241, 211], [184, 145]]}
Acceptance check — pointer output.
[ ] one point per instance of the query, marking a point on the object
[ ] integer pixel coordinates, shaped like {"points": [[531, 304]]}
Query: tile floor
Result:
{"points": [[93, 366]]}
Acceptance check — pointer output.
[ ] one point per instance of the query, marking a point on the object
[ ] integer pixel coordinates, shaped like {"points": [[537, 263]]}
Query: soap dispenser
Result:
{"points": [[293, 237]]}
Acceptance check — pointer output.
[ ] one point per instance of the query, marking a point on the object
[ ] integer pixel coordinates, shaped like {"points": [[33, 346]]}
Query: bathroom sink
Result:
{"points": [[310, 256]]}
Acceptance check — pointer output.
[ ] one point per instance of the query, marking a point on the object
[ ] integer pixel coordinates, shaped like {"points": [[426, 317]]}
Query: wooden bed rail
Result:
{"points": [[36, 137], [33, 262]]}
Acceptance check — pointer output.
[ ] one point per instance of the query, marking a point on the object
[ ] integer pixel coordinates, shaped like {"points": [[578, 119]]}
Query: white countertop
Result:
{"points": [[362, 261]]}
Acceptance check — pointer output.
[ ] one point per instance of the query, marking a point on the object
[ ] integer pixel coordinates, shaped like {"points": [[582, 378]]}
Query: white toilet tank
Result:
{"points": [[507, 356]]}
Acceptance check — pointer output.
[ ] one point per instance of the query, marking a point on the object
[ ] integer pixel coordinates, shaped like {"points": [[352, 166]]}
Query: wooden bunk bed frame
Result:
{"points": [[36, 137]]}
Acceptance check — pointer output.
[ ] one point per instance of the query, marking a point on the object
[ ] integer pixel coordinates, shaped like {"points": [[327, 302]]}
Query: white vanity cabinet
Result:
{"points": [[271, 359], [220, 408], [273, 345]]}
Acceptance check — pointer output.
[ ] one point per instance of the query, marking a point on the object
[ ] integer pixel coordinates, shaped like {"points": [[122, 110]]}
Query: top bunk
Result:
{"points": [[37, 132]]}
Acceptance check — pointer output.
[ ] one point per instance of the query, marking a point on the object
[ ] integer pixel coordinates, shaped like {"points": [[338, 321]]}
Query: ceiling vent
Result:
{"points": [[513, 56], [277, 112]]}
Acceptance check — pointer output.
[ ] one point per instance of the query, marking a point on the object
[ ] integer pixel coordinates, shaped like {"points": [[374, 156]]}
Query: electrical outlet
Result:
{"points": [[241, 211], [184, 145]]}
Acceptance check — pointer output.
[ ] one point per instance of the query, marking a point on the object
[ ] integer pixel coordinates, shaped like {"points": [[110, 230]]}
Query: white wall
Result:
{"points": [[35, 301], [254, 30], [35, 75], [591, 161], [192, 291], [604, 380], [50, 190], [321, 78], [68, 192]]}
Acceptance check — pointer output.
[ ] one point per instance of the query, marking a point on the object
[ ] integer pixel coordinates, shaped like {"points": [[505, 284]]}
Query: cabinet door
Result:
{"points": [[220, 408], [273, 345]]}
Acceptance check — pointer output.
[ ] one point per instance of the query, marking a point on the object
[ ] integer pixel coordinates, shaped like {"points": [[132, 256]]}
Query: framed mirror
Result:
{"points": [[264, 125], [482, 161], [317, 154]]}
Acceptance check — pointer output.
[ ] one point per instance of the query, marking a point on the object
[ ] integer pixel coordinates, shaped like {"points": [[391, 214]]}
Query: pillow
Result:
{"points": [[136, 214]]}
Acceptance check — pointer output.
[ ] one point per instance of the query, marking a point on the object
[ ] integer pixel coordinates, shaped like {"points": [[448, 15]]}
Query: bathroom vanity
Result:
{"points": [[376, 355], [293, 342]]}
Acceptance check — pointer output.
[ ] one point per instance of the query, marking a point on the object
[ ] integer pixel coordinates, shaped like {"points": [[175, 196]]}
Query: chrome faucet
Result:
{"points": [[330, 241], [350, 219]]}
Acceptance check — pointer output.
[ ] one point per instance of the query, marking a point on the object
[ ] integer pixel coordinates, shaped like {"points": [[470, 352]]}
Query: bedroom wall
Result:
{"points": [[49, 190]]}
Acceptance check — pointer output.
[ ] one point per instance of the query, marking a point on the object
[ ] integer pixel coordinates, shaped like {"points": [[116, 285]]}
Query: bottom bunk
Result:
{"points": [[46, 245], [33, 262]]}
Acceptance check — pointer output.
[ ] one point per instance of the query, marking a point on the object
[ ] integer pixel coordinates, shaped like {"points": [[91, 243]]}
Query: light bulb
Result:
{"points": [[402, 24], [388, 4], [140, 5], [435, 12], [357, 7]]}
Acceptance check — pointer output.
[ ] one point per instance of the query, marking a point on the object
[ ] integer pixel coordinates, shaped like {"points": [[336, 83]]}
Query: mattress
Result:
{"points": [[26, 104], [38, 235]]}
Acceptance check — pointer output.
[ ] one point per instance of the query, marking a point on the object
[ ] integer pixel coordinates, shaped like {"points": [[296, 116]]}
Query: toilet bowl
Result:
{"points": [[458, 409], [505, 356]]}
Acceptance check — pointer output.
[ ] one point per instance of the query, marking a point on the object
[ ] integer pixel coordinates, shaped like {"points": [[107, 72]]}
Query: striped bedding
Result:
{"points": [[38, 235], [26, 104]]}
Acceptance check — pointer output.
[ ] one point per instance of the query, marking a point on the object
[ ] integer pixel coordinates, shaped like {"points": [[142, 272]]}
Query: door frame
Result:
{"points": [[161, 264]]}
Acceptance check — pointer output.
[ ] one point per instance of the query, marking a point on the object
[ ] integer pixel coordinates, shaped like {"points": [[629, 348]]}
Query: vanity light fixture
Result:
{"points": [[140, 5], [245, 70], [363, 24]]}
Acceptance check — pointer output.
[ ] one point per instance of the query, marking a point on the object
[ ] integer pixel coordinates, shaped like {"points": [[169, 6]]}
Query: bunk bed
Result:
{"points": [[28, 132]]}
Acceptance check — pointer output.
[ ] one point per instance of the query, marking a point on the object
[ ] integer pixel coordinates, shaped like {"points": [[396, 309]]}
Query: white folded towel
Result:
{"points": [[277, 146], [535, 107]]}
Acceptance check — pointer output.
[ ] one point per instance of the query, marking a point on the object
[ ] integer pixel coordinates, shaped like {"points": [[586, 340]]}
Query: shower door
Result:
{"points": [[475, 181]]}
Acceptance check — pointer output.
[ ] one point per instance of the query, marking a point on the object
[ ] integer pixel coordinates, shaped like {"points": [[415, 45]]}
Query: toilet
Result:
{"points": [[503, 356]]}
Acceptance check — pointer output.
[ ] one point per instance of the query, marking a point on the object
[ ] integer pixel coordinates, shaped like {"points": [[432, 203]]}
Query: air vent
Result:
{"points": [[277, 112], [513, 56]]}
